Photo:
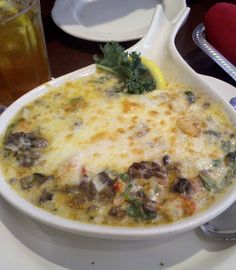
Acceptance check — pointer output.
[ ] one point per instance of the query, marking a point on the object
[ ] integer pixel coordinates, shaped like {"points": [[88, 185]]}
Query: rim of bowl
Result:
{"points": [[94, 230]]}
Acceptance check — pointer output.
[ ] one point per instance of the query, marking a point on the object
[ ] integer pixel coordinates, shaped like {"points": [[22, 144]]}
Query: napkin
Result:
{"points": [[220, 25]]}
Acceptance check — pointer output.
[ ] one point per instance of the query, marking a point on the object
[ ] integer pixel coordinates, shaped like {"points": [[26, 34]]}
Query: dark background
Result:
{"points": [[67, 53]]}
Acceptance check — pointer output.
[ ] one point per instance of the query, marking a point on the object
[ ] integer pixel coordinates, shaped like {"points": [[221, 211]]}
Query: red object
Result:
{"points": [[220, 25], [118, 186]]}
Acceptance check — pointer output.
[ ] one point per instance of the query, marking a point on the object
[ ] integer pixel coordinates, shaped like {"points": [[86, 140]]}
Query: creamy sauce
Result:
{"points": [[86, 136]]}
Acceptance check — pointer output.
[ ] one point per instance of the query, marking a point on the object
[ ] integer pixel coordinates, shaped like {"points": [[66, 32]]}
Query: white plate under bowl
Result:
{"points": [[29, 245], [104, 20]]}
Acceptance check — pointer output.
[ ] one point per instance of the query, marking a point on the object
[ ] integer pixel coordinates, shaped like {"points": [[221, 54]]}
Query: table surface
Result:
{"points": [[67, 53]]}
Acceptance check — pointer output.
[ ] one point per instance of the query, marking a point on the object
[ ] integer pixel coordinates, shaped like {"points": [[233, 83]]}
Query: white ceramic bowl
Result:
{"points": [[165, 54]]}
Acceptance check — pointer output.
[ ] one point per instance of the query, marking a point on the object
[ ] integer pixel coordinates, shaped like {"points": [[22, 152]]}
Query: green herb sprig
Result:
{"points": [[128, 66]]}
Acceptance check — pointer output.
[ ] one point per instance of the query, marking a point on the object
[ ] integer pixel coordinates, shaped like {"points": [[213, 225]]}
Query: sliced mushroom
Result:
{"points": [[166, 160], [105, 178], [107, 194], [27, 158], [45, 196], [20, 140], [117, 212], [27, 182], [89, 189], [183, 186], [42, 178], [36, 179], [230, 158], [146, 169], [26, 147]]}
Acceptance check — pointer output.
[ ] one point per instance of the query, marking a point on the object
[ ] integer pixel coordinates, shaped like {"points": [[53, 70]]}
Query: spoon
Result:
{"points": [[220, 228], [214, 233]]}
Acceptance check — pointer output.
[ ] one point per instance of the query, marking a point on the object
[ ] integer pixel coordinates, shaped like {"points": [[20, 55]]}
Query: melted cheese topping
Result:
{"points": [[91, 128]]}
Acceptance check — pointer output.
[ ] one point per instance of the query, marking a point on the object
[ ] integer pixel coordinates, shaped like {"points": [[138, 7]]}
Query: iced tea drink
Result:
{"points": [[23, 56]]}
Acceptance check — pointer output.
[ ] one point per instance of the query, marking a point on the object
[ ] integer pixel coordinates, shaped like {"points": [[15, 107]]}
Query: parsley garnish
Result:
{"points": [[127, 66]]}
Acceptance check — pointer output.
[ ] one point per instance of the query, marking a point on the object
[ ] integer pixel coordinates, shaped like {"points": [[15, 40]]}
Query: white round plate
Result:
{"points": [[29, 245], [104, 20]]}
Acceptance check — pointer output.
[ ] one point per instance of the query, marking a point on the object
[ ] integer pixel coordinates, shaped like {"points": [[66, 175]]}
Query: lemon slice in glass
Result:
{"points": [[155, 72], [23, 25], [7, 9]]}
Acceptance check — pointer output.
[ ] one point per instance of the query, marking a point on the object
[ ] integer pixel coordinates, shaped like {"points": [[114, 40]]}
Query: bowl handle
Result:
{"points": [[165, 18]]}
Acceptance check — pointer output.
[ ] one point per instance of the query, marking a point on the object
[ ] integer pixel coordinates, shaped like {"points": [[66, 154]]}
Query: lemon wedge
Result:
{"points": [[155, 72]]}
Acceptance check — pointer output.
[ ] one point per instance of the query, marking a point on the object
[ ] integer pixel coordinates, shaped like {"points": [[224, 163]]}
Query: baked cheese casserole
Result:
{"points": [[88, 152]]}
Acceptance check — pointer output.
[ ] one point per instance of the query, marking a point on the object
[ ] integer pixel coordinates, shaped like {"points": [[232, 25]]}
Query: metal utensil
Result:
{"points": [[220, 228], [157, 45], [217, 234]]}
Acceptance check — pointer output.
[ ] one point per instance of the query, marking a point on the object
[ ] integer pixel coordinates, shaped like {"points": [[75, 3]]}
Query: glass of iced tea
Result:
{"points": [[23, 55]]}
